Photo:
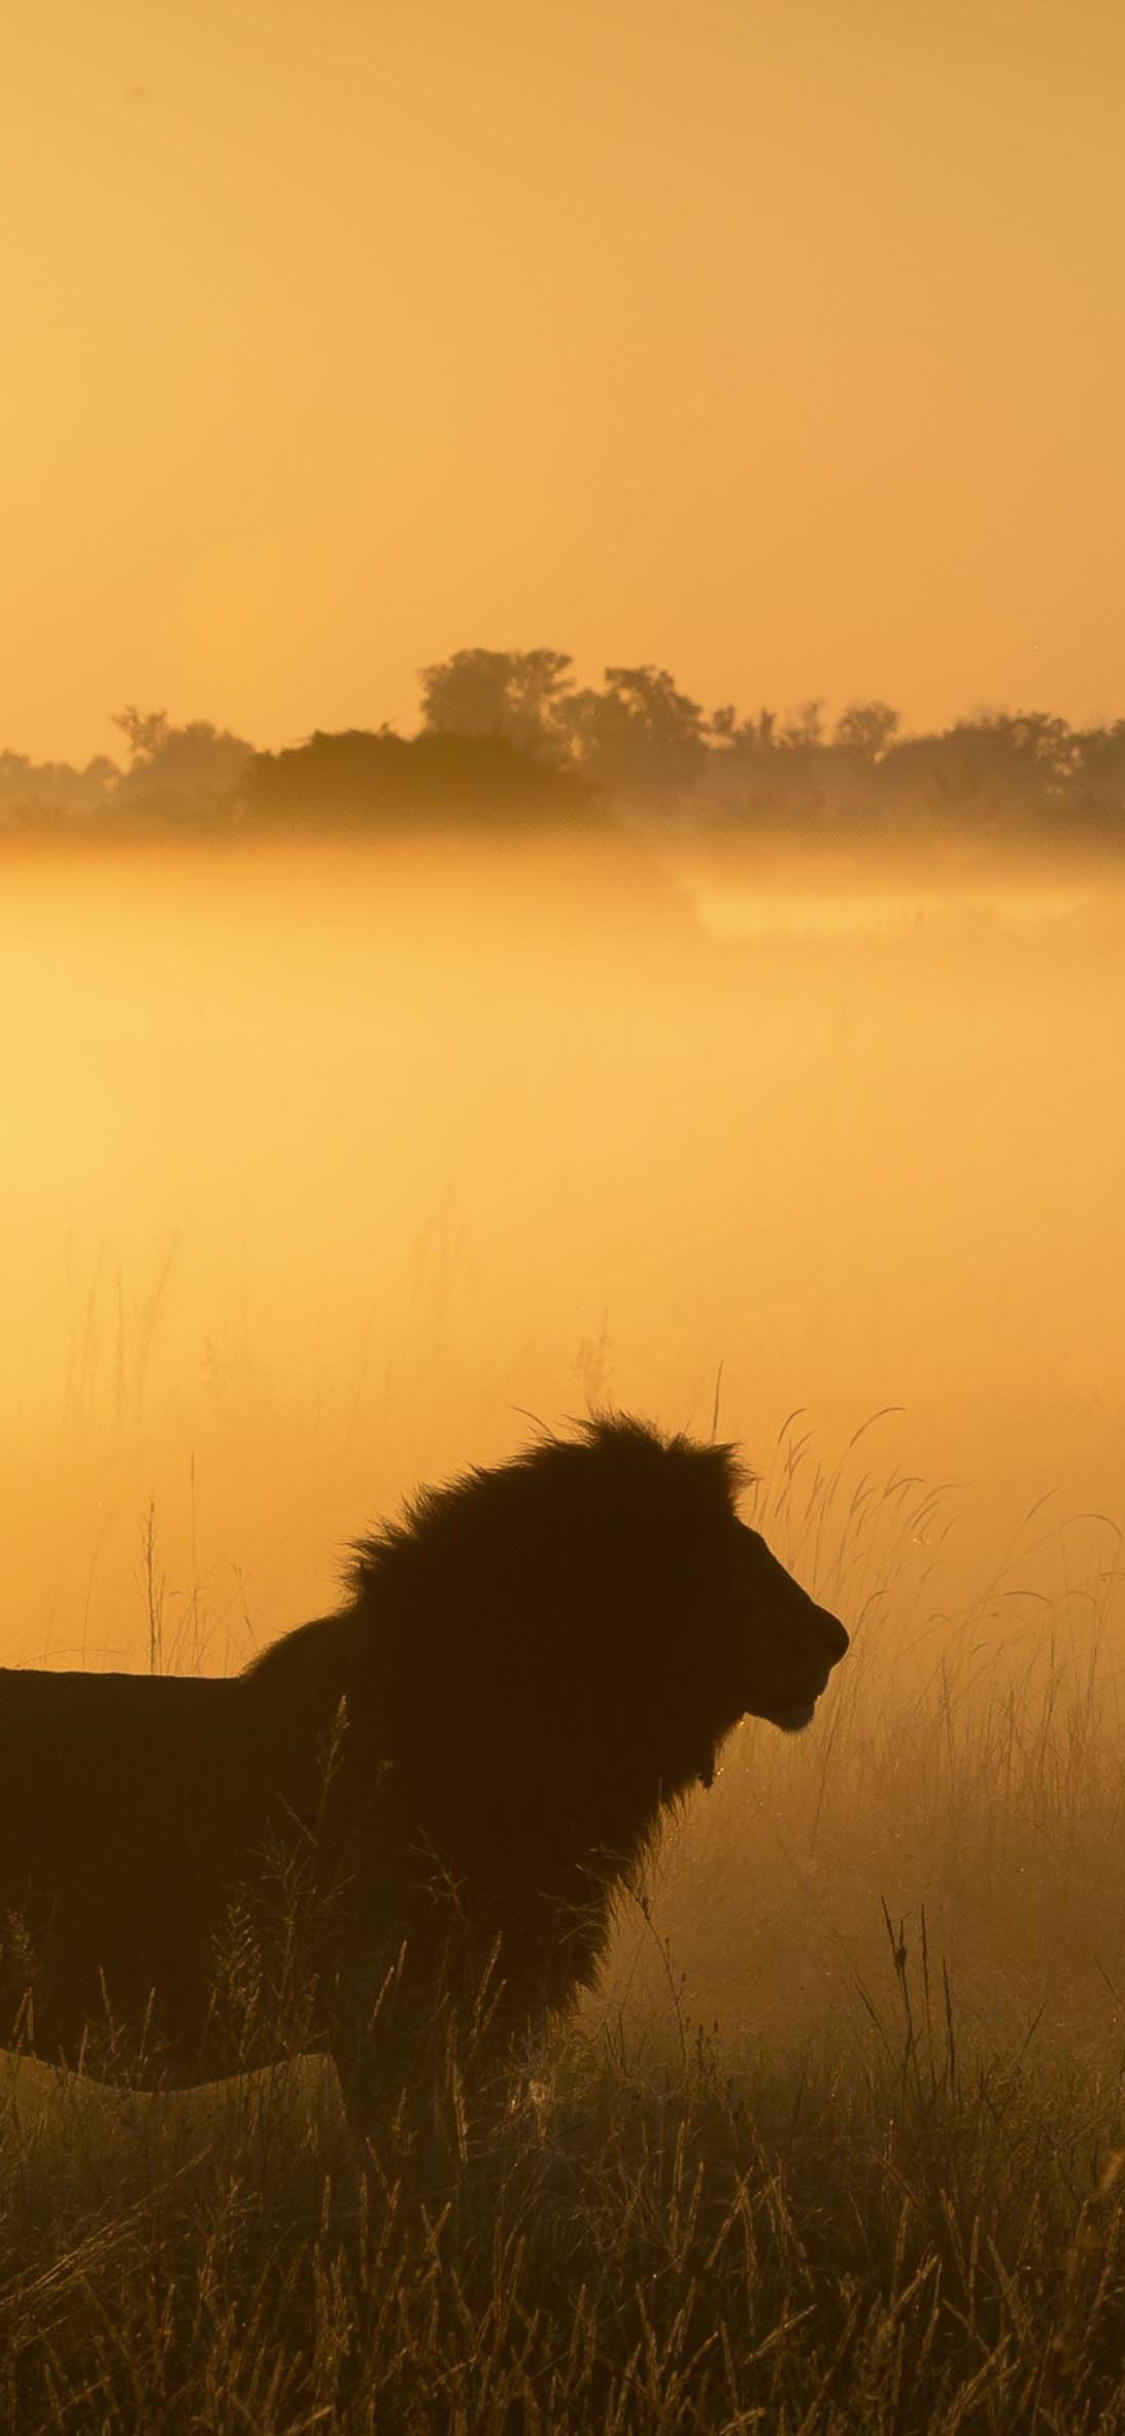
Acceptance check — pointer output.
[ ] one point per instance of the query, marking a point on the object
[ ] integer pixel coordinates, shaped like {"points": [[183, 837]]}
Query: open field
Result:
{"points": [[319, 1175]]}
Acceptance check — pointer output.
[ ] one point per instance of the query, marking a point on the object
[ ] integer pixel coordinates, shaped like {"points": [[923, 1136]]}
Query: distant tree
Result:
{"points": [[753, 735], [357, 779], [145, 731], [1099, 776], [866, 727], [640, 737], [508, 740], [994, 772], [1019, 763], [517, 694], [804, 725], [51, 793], [179, 776]]}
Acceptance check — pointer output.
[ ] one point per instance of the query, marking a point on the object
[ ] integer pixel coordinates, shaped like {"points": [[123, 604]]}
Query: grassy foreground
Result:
{"points": [[841, 2146], [908, 2246]]}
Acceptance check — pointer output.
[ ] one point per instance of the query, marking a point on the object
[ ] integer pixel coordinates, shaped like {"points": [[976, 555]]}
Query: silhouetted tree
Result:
{"points": [[179, 776], [145, 730], [517, 694], [734, 735], [804, 725], [50, 794], [866, 727], [641, 737], [1098, 783], [362, 780], [508, 740], [991, 773], [777, 774]]}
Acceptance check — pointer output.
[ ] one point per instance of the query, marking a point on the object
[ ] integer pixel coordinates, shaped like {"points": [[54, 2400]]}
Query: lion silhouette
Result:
{"points": [[418, 1808]]}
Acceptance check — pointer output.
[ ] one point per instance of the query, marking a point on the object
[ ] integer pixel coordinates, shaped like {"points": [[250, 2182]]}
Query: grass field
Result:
{"points": [[324, 1175], [840, 2144]]}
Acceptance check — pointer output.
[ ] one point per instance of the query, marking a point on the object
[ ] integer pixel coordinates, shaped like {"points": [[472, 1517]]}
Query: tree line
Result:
{"points": [[508, 737]]}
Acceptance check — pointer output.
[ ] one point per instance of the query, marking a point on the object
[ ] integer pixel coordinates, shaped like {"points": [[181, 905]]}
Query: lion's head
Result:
{"points": [[581, 1628]]}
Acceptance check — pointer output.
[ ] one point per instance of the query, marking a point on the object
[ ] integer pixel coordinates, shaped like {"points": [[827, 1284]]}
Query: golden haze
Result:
{"points": [[325, 1163]]}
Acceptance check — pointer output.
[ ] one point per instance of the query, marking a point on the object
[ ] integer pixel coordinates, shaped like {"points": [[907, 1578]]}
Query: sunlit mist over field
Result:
{"points": [[325, 1167]]}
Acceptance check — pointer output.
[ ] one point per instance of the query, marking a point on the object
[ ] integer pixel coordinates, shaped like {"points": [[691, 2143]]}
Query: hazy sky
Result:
{"points": [[778, 340]]}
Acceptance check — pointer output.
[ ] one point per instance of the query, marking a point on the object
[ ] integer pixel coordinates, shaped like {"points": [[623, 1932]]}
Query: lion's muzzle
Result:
{"points": [[823, 1642]]}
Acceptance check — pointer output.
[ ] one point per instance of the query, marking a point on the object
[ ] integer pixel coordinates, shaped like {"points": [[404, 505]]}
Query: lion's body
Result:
{"points": [[133, 1807], [444, 1783]]}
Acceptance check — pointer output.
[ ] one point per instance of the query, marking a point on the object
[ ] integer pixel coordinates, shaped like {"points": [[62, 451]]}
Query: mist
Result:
{"points": [[327, 1164]]}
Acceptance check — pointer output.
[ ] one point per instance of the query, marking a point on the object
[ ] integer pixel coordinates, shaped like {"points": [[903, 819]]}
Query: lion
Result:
{"points": [[417, 1809]]}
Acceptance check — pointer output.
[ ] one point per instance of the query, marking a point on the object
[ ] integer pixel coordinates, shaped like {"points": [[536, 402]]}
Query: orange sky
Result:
{"points": [[781, 341]]}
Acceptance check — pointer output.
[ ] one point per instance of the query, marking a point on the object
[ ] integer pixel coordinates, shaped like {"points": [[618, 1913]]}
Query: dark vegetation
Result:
{"points": [[508, 739]]}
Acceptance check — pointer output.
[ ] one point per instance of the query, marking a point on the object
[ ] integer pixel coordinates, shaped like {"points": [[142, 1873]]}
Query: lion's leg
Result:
{"points": [[421, 2048], [393, 2049]]}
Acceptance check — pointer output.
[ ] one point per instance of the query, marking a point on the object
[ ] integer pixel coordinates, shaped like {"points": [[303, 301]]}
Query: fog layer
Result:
{"points": [[323, 1167]]}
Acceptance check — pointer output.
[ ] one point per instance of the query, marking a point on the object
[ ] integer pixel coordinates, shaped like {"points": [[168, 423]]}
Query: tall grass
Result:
{"points": [[840, 2144]]}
